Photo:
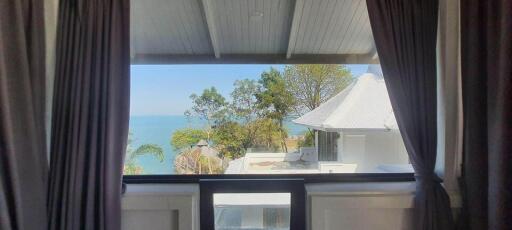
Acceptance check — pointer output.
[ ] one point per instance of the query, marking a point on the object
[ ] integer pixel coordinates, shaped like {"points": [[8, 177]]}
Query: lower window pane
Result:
{"points": [[252, 211]]}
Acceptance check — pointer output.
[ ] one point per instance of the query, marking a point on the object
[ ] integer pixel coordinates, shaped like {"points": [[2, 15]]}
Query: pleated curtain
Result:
{"points": [[23, 158], [405, 33], [486, 65], [90, 115]]}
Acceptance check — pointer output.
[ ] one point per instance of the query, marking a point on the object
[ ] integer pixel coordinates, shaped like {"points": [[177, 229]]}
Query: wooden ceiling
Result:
{"points": [[251, 31]]}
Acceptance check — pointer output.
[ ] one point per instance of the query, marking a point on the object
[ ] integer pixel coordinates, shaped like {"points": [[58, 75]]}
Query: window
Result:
{"points": [[206, 101], [262, 119]]}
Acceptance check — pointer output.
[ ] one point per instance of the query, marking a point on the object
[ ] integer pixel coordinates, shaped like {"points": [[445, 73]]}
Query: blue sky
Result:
{"points": [[165, 89]]}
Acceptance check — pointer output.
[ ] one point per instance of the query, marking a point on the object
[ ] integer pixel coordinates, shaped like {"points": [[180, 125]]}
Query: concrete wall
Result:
{"points": [[369, 149]]}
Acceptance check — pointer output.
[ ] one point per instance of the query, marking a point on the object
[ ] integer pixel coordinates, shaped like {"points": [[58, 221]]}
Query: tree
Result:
{"points": [[312, 85], [231, 139], [245, 108], [130, 163], [210, 107], [183, 138], [308, 141], [275, 100], [268, 134], [245, 103]]}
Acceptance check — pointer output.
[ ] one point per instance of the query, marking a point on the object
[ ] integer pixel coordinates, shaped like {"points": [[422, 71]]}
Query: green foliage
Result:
{"points": [[309, 139], [209, 106], [151, 149], [183, 138], [255, 116], [245, 104], [275, 100], [231, 139], [245, 110], [268, 135], [130, 163], [312, 85]]}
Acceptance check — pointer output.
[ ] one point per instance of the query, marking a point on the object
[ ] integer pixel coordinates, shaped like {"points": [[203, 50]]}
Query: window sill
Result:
{"points": [[308, 178], [161, 189], [372, 195]]}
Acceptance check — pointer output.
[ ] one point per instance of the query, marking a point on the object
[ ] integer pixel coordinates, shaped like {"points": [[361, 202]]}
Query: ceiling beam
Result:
{"points": [[255, 59], [212, 29], [292, 38]]}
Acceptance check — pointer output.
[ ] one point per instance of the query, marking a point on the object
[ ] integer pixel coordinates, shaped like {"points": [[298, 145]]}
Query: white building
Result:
{"points": [[356, 131], [357, 126]]}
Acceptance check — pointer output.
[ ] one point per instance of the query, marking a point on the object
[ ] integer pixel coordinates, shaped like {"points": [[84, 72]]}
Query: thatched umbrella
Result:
{"points": [[200, 159]]}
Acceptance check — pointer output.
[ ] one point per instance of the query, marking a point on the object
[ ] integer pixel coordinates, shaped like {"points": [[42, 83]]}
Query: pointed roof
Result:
{"points": [[364, 105]]}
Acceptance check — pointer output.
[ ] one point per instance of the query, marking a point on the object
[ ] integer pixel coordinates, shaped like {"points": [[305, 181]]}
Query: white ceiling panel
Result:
{"points": [[332, 27], [168, 27], [252, 26], [251, 31]]}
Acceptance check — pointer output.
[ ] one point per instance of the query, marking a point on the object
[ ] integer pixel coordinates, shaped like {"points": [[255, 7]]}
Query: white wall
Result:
{"points": [[348, 206], [369, 149], [362, 206], [334, 206], [161, 207], [449, 101], [50, 23]]}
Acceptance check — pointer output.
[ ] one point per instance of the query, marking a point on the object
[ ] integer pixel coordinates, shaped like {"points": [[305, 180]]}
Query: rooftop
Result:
{"points": [[364, 105]]}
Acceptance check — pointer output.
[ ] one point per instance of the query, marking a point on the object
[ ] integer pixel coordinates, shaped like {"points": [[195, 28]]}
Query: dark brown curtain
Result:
{"points": [[405, 33], [486, 56], [90, 114], [23, 164]]}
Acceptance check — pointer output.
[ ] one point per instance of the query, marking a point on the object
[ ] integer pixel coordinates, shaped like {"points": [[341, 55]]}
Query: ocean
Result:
{"points": [[158, 130]]}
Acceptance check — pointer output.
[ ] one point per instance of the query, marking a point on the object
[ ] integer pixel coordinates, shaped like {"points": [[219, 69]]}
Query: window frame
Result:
{"points": [[449, 161], [307, 178], [296, 188]]}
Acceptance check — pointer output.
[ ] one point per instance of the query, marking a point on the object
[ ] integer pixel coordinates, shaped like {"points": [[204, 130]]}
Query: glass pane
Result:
{"points": [[252, 211], [255, 119]]}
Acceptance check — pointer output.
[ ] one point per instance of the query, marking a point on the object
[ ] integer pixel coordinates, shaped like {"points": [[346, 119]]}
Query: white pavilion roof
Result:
{"points": [[364, 105]]}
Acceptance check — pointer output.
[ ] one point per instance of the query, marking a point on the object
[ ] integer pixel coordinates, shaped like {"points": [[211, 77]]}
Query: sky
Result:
{"points": [[165, 89]]}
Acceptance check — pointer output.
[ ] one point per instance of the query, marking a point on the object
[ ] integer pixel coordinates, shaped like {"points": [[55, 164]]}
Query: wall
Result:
{"points": [[449, 101], [355, 206], [50, 22], [361, 206], [161, 207], [350, 206], [369, 149]]}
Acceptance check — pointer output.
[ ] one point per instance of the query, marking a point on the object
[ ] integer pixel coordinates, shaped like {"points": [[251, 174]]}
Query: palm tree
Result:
{"points": [[130, 163]]}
